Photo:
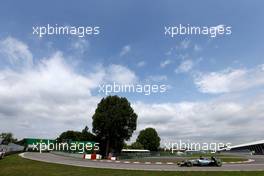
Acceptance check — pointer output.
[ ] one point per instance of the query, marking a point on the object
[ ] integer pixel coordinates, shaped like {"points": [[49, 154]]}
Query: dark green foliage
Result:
{"points": [[113, 122], [149, 138], [7, 138], [85, 135], [136, 145]]}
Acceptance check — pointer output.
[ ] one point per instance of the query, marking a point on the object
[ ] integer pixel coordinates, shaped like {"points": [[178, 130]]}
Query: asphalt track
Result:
{"points": [[256, 165]]}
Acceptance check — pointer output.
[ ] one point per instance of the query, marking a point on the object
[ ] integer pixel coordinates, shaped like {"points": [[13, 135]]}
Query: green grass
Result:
{"points": [[15, 166]]}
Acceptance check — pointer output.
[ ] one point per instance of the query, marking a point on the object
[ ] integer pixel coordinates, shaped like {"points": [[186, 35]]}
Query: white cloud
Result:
{"points": [[49, 96], [141, 63], [230, 80], [16, 52], [169, 52], [184, 44], [185, 66], [126, 49], [120, 75], [218, 120], [197, 47], [164, 63], [80, 45], [157, 78], [52, 96]]}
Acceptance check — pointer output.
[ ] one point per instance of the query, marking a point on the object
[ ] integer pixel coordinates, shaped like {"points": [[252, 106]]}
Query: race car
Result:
{"points": [[213, 161], [2, 154]]}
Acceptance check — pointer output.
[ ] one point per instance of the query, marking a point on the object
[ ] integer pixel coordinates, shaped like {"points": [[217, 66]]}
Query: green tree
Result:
{"points": [[7, 138], [136, 145], [69, 135], [149, 138], [85, 135], [114, 122]]}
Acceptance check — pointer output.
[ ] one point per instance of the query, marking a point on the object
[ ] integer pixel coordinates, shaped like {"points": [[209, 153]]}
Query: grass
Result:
{"points": [[14, 165]]}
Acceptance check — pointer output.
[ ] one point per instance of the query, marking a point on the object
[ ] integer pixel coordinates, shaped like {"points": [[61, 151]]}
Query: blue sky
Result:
{"points": [[212, 80]]}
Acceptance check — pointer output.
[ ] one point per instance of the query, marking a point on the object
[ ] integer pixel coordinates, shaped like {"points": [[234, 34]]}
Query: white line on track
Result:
{"points": [[169, 163]]}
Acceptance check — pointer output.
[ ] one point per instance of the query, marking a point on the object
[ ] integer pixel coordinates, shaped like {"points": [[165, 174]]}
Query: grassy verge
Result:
{"points": [[13, 165]]}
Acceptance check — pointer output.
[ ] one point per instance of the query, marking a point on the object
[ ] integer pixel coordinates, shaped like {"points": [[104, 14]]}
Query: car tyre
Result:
{"points": [[189, 164], [218, 163]]}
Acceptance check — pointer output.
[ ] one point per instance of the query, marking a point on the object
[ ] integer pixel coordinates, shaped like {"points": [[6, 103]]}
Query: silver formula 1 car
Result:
{"points": [[213, 161]]}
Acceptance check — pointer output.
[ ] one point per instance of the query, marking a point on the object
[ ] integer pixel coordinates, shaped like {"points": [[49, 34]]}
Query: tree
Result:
{"points": [[149, 138], [7, 138], [69, 135], [136, 145], [85, 135], [114, 122]]}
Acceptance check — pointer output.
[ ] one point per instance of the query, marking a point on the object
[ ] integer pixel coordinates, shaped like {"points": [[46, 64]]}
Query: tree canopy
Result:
{"points": [[149, 138], [114, 122], [85, 135], [7, 138], [136, 145]]}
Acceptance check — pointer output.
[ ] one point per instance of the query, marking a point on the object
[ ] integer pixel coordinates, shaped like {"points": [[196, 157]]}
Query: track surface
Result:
{"points": [[257, 165]]}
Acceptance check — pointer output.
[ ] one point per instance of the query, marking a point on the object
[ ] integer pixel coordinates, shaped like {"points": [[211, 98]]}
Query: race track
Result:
{"points": [[257, 165]]}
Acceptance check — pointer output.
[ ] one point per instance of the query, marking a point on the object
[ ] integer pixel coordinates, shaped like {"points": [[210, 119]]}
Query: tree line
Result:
{"points": [[114, 122]]}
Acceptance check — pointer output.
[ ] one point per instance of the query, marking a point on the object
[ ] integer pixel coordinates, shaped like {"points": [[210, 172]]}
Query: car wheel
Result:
{"points": [[218, 164], [189, 164]]}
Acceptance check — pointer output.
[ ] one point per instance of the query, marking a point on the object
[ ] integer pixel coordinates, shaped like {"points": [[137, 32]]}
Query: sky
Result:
{"points": [[50, 84]]}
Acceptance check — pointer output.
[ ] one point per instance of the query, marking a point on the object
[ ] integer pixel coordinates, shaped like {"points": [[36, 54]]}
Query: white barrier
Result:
{"points": [[92, 156]]}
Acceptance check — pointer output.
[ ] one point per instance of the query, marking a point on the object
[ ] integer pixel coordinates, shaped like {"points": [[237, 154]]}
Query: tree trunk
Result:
{"points": [[107, 147]]}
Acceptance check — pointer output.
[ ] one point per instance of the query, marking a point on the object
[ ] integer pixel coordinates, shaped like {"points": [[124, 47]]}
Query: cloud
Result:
{"points": [[52, 96], [120, 75], [185, 66], [126, 49], [48, 97], [80, 45], [157, 78], [184, 44], [141, 63], [165, 63], [169, 52], [16, 52], [230, 80], [215, 120], [197, 47]]}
